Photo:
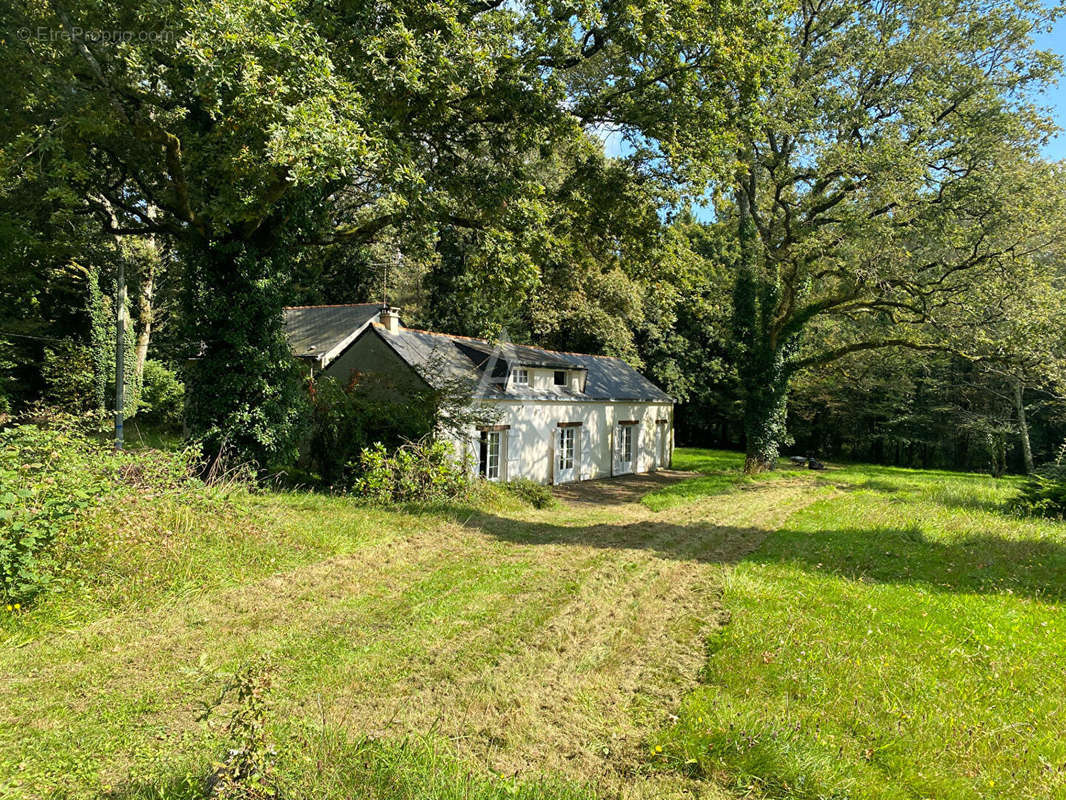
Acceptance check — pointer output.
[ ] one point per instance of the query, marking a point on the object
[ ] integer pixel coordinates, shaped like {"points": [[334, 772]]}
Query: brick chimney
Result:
{"points": [[390, 319]]}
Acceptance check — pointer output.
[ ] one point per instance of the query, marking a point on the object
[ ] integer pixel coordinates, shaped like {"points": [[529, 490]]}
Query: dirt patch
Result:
{"points": [[619, 489]]}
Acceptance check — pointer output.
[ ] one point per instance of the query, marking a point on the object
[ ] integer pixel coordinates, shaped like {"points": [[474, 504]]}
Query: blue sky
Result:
{"points": [[1056, 96]]}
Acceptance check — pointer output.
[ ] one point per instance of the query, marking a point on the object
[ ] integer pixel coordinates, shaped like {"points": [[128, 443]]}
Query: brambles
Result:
{"points": [[417, 471], [249, 771], [52, 473], [536, 494]]}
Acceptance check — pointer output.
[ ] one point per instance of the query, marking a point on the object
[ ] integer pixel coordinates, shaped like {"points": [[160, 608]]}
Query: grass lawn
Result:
{"points": [[902, 637], [864, 632]]}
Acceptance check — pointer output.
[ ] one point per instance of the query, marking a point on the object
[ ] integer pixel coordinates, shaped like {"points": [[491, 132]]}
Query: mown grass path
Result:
{"points": [[538, 642]]}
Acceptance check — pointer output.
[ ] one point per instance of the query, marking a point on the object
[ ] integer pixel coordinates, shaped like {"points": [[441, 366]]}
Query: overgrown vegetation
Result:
{"points": [[536, 494], [52, 472], [371, 410], [1044, 492], [248, 770], [55, 473], [421, 471]]}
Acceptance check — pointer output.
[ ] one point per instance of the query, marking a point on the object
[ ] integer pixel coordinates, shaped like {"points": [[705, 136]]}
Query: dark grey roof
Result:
{"points": [[441, 357], [322, 331]]}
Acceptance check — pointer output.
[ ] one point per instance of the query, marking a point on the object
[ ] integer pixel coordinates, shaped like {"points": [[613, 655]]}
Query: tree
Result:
{"points": [[256, 129], [893, 172]]}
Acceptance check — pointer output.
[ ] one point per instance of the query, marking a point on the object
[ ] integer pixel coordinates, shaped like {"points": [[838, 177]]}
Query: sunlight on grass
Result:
{"points": [[903, 639], [720, 471]]}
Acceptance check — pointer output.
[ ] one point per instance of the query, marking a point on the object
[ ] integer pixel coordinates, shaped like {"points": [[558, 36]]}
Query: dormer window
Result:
{"points": [[560, 377], [520, 377]]}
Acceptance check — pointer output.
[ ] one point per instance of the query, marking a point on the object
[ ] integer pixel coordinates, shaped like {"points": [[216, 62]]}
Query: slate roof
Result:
{"points": [[442, 357], [322, 332]]}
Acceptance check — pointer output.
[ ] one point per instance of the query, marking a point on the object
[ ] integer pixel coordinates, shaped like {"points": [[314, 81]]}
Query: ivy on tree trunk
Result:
{"points": [[243, 387]]}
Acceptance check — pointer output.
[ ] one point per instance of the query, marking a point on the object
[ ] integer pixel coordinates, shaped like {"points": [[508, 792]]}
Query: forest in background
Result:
{"points": [[830, 230]]}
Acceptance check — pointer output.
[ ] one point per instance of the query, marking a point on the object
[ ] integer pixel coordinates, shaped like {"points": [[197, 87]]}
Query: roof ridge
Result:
{"points": [[516, 344], [331, 305]]}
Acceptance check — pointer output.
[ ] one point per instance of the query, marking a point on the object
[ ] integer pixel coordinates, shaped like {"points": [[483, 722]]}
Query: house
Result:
{"points": [[557, 417]]}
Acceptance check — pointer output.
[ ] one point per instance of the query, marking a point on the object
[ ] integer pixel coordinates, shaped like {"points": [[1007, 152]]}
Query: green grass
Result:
{"points": [[869, 632], [903, 638], [720, 471]]}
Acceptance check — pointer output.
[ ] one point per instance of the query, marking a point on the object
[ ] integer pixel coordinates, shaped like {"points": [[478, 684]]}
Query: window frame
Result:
{"points": [[626, 450], [567, 448], [520, 376], [488, 468]]}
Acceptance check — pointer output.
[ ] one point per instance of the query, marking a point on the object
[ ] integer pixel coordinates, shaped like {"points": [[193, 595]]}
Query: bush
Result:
{"points": [[51, 472], [418, 471], [69, 379], [536, 494], [162, 399], [1044, 493], [346, 420]]}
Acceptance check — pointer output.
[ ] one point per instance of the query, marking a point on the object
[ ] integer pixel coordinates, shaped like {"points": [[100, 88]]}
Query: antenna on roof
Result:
{"points": [[385, 277], [385, 284]]}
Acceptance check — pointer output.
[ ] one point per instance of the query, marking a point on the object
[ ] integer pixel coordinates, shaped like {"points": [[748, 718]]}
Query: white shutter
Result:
{"points": [[513, 443]]}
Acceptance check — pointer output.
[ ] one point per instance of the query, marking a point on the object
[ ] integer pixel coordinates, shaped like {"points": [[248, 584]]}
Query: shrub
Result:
{"points": [[249, 771], [1044, 493], [345, 420], [162, 398], [536, 494], [417, 471], [69, 378]]}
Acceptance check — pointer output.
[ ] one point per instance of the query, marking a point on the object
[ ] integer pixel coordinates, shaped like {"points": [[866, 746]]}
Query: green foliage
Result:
{"points": [[69, 377], [248, 770], [7, 365], [162, 396], [47, 477], [271, 129], [244, 392], [101, 340], [1044, 492], [536, 494], [891, 193], [51, 473], [345, 420], [420, 471]]}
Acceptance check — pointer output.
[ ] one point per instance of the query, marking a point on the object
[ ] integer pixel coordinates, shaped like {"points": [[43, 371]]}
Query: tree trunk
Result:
{"points": [[764, 423], [1023, 427], [760, 361], [243, 386]]}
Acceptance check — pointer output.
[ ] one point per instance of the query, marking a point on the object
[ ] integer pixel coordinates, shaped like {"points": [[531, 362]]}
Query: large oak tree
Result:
{"points": [[246, 131], [895, 171]]}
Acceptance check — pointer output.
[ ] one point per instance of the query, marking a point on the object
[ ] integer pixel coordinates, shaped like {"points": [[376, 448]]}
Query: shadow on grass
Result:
{"points": [[986, 564]]}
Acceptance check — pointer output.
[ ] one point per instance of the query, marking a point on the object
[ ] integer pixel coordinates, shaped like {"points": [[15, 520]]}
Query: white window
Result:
{"points": [[566, 449], [489, 455], [625, 443], [521, 377]]}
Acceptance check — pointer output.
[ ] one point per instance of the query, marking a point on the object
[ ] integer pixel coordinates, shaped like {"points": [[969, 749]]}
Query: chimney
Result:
{"points": [[390, 319]]}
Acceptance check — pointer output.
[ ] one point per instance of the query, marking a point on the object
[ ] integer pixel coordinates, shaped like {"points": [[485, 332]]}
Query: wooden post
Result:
{"points": [[121, 314]]}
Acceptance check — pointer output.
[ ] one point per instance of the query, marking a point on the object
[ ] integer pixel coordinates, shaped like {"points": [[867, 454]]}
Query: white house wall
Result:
{"points": [[531, 426]]}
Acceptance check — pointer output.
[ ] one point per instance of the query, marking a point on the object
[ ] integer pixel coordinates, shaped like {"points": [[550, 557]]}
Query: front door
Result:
{"points": [[489, 455], [624, 448], [565, 439]]}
